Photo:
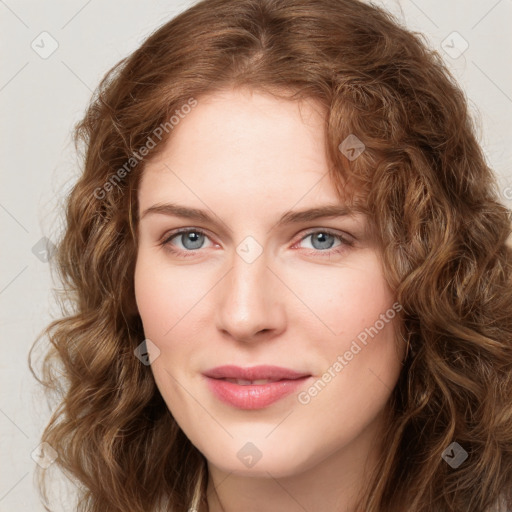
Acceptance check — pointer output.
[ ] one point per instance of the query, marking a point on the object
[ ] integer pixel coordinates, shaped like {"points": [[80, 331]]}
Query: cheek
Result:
{"points": [[343, 301], [353, 328], [152, 301], [165, 295], [163, 301]]}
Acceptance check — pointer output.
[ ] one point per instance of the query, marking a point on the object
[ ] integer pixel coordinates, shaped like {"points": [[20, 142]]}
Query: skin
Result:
{"points": [[246, 158]]}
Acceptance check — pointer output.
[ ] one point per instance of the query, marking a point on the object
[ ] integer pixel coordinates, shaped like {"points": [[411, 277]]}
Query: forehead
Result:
{"points": [[246, 139]]}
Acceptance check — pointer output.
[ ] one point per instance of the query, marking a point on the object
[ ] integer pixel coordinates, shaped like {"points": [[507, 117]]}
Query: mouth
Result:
{"points": [[253, 388], [255, 374]]}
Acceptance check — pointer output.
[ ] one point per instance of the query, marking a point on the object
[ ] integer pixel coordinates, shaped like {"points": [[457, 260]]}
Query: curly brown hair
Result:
{"points": [[433, 204]]}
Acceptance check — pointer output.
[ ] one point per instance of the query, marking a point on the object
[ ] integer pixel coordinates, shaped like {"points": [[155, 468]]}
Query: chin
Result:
{"points": [[277, 459]]}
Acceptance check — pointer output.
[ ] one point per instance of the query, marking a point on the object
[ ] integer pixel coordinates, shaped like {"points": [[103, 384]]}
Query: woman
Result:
{"points": [[289, 272]]}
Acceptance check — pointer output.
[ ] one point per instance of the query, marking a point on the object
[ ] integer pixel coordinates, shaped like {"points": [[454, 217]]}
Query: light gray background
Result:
{"points": [[41, 99]]}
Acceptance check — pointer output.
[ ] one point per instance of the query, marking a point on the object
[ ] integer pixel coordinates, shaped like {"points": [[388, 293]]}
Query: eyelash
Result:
{"points": [[326, 253]]}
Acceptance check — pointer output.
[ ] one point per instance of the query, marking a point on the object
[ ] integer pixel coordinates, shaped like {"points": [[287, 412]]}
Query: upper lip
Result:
{"points": [[254, 373]]}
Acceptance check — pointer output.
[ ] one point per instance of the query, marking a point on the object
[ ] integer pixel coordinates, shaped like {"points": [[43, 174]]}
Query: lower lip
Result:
{"points": [[254, 396]]}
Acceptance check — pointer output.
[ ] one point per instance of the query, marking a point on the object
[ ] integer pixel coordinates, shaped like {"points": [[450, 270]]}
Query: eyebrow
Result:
{"points": [[289, 217]]}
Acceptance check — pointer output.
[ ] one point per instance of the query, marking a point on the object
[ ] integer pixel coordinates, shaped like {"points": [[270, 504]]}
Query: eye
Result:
{"points": [[322, 241], [191, 240]]}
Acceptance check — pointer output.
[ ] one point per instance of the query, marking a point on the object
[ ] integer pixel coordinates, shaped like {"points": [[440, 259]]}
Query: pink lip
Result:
{"points": [[254, 396], [254, 373]]}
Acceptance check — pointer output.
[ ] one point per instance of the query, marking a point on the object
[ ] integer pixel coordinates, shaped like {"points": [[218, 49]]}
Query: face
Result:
{"points": [[246, 286]]}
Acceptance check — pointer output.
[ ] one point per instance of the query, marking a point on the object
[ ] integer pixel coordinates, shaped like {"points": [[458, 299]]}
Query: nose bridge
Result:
{"points": [[249, 303]]}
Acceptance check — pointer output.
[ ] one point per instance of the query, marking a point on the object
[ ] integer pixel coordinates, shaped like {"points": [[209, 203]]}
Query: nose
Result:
{"points": [[250, 303]]}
